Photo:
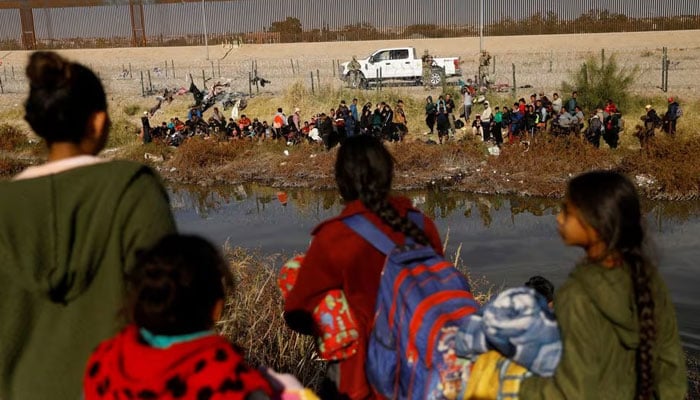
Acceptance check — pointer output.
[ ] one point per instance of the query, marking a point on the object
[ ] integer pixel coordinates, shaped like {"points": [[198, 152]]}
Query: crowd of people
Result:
{"points": [[327, 129], [528, 119], [103, 299], [522, 122]]}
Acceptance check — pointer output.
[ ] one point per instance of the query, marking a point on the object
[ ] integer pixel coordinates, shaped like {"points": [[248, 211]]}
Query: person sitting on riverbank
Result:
{"points": [[614, 311], [170, 349], [363, 172], [70, 229]]}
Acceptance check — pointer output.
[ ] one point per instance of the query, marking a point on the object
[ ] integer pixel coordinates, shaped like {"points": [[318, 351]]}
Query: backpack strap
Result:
{"points": [[365, 228]]}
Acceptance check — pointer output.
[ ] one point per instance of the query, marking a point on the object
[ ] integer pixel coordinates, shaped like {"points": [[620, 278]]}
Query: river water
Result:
{"points": [[502, 240]]}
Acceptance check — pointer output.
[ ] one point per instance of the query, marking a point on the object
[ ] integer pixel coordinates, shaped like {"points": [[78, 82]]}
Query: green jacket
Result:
{"points": [[600, 333], [66, 241]]}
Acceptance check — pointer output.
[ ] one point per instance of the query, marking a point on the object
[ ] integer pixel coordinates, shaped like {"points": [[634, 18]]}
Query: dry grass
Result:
{"points": [[11, 166], [546, 166], [12, 138], [668, 162], [693, 364], [253, 319]]}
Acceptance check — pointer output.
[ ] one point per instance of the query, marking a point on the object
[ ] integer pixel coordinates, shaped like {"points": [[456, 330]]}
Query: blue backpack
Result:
{"points": [[422, 300]]}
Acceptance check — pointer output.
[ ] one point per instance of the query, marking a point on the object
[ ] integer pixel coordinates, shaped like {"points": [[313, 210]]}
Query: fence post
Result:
{"points": [[602, 58], [13, 72], [150, 83], [312, 82], [204, 80], [318, 79], [333, 67], [212, 68], [257, 80], [292, 62], [166, 68], [494, 66], [4, 70], [143, 89], [130, 75], [218, 67], [250, 84], [172, 65], [514, 87], [663, 68], [668, 65], [2, 89]]}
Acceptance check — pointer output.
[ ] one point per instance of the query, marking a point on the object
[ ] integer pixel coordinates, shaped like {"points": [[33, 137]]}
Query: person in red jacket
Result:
{"points": [[170, 350], [338, 258]]}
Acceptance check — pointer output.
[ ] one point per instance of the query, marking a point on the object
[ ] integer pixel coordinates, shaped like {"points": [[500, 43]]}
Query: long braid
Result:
{"points": [[378, 204], [363, 171], [610, 204], [647, 330]]}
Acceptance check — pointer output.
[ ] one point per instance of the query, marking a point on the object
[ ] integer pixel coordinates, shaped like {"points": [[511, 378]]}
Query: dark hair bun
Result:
{"points": [[47, 70], [62, 97]]}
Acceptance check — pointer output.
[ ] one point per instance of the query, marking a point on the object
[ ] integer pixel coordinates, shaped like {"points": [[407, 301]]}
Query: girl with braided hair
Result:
{"points": [[338, 258], [617, 320]]}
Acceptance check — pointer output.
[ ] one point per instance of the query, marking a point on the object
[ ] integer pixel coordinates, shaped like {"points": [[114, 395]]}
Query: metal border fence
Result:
{"points": [[120, 23]]}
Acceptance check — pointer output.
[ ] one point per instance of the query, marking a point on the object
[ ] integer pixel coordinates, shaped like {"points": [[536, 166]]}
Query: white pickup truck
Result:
{"points": [[398, 63]]}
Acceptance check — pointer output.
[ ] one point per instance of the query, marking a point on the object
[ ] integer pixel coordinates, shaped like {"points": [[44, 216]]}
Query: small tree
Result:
{"points": [[599, 80], [290, 29]]}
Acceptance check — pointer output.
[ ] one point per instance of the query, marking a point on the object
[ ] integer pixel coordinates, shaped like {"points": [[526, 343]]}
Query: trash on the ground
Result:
{"points": [[645, 180], [153, 157], [282, 197]]}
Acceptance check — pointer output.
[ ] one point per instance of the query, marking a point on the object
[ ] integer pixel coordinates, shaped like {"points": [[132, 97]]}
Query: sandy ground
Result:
{"points": [[540, 61]]}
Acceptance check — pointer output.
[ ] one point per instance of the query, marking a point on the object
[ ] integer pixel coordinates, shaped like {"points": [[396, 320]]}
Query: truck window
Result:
{"points": [[382, 56], [401, 54]]}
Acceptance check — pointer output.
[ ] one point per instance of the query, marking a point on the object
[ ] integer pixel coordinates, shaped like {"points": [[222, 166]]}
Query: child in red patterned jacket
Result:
{"points": [[170, 350]]}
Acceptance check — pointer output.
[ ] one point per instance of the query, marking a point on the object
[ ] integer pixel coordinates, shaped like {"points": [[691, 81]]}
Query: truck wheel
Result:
{"points": [[435, 77], [356, 80]]}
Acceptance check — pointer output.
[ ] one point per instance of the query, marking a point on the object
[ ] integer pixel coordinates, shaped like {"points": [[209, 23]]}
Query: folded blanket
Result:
{"points": [[336, 330], [518, 324]]}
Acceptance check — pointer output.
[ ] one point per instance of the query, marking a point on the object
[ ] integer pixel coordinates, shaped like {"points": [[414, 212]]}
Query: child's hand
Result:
{"points": [[284, 381]]}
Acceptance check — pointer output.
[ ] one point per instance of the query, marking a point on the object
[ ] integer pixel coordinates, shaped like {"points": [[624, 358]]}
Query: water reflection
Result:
{"points": [[503, 240]]}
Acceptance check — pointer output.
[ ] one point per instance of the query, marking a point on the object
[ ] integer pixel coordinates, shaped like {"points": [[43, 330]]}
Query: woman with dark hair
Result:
{"points": [[617, 321], [338, 258], [70, 229], [430, 112]]}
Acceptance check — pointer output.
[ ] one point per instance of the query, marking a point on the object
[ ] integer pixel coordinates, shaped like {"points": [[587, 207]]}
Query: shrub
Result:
{"points": [[131, 109], [667, 161], [599, 80], [11, 137], [122, 132], [11, 166], [197, 154]]}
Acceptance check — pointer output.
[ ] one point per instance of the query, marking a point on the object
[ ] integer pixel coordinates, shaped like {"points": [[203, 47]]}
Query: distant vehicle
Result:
{"points": [[398, 63]]}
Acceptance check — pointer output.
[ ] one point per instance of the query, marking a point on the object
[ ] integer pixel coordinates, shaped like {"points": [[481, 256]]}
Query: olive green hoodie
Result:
{"points": [[66, 240], [600, 332]]}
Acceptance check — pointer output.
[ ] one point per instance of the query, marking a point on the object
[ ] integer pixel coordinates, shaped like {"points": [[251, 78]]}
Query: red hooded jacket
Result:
{"points": [[124, 367], [338, 258]]}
